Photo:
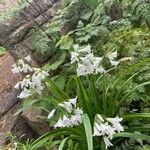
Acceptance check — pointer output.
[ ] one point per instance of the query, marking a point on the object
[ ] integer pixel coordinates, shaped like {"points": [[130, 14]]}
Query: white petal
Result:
{"points": [[17, 85], [28, 58], [100, 118], [107, 142], [74, 57], [112, 55], [114, 63], [51, 114], [73, 101], [24, 94]]}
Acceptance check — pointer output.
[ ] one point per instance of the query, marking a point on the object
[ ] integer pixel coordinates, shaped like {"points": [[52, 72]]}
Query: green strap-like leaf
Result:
{"points": [[135, 116], [88, 131], [63, 143], [133, 136]]}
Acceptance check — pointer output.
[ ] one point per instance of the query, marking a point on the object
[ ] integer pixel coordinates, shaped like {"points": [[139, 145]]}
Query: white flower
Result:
{"points": [[114, 63], [104, 129], [75, 120], [59, 123], [76, 47], [86, 49], [28, 58], [67, 106], [78, 111], [116, 123], [51, 114], [24, 94], [74, 57], [66, 121], [81, 70], [16, 69], [87, 63], [25, 83], [107, 142], [73, 101], [39, 88], [21, 67], [75, 114], [112, 55], [100, 118], [96, 130], [17, 85], [26, 68]]}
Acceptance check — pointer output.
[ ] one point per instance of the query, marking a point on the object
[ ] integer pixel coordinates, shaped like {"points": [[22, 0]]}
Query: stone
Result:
{"points": [[8, 95], [15, 33], [38, 125], [16, 125]]}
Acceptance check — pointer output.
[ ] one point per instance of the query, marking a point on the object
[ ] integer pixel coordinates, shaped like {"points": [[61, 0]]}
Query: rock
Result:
{"points": [[15, 35], [16, 125], [8, 95], [38, 125]]}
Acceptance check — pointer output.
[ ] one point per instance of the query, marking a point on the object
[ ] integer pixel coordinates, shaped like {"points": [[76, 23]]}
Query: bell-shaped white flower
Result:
{"points": [[25, 83], [78, 112], [116, 123], [59, 123], [107, 142], [17, 85], [26, 68], [28, 58], [67, 106], [114, 63], [73, 101], [66, 121], [81, 70], [24, 94], [112, 55], [16, 69], [74, 57], [100, 119], [51, 114], [86, 49]]}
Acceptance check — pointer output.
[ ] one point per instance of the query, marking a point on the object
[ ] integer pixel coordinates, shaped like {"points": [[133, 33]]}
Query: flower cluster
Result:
{"points": [[112, 56], [107, 128], [74, 117], [21, 66], [87, 63], [29, 84]]}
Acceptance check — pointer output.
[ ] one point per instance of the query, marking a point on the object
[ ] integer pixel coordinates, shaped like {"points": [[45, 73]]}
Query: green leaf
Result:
{"points": [[54, 133], [56, 90], [83, 97], [66, 42], [141, 128], [63, 143], [55, 65], [86, 15], [2, 51], [133, 136], [88, 131], [26, 105], [135, 116], [128, 94], [92, 2]]}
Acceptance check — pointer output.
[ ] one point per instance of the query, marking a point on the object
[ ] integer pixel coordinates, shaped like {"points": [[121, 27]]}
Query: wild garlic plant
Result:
{"points": [[92, 119], [32, 82]]}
